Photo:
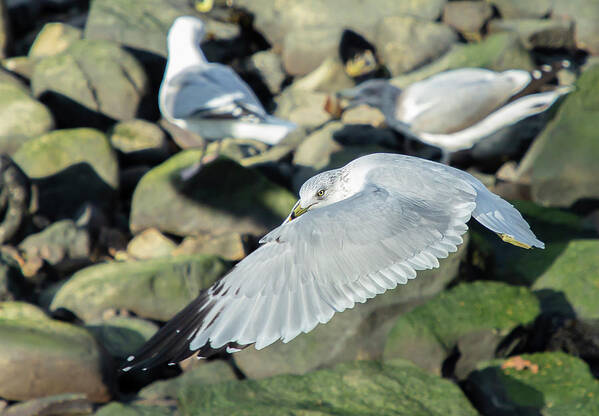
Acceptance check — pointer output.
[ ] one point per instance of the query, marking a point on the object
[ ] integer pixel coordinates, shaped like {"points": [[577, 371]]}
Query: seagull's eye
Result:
{"points": [[320, 193]]}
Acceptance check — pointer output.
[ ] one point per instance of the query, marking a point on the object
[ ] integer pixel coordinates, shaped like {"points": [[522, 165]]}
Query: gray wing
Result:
{"points": [[453, 100], [212, 90], [321, 263]]}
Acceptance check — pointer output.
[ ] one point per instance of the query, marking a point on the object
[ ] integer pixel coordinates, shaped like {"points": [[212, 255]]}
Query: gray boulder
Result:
{"points": [[541, 33]]}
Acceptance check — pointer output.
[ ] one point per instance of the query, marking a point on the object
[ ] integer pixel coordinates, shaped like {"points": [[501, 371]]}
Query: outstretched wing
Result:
{"points": [[211, 90], [321, 263]]}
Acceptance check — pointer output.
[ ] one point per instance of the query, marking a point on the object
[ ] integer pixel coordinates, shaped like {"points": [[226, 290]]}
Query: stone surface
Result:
{"points": [[405, 43], [467, 17], [363, 114], [305, 108], [215, 200], [69, 167], [586, 15], [150, 244], [305, 49], [119, 409], [427, 334], [61, 404], [551, 384], [53, 39], [499, 52], [40, 356], [574, 275], [161, 287], [4, 29], [551, 34], [120, 336], [229, 246], [270, 67], [329, 77], [140, 141], [89, 82], [358, 333], [513, 9], [562, 160], [361, 388], [21, 117]]}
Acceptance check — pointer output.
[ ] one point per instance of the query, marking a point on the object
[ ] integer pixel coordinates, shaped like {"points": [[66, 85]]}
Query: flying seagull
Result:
{"points": [[455, 109], [355, 232], [210, 98]]}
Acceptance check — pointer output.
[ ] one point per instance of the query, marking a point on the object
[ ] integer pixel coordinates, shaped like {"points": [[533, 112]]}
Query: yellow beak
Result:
{"points": [[296, 211]]}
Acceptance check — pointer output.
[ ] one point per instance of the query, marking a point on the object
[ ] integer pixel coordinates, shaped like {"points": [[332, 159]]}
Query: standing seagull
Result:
{"points": [[455, 109], [210, 98], [354, 233]]}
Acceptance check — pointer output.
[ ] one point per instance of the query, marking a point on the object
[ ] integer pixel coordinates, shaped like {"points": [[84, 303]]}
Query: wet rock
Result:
{"points": [[69, 167], [229, 246], [4, 30], [139, 141], [561, 163], [121, 335], [574, 274], [467, 17], [550, 34], [586, 15], [360, 388], [161, 287], [21, 117], [305, 108], [428, 334], [355, 334], [215, 200], [41, 357], [270, 67], [305, 49], [150, 244], [499, 52], [208, 373], [53, 39], [513, 9], [140, 26], [535, 384], [62, 404], [91, 83], [405, 43]]}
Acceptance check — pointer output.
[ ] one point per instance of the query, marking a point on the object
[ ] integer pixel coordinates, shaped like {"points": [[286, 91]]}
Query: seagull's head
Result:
{"points": [[370, 92], [186, 29], [319, 191]]}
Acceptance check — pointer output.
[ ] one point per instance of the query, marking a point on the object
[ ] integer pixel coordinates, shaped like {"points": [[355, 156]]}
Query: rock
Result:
{"points": [[467, 17], [355, 334], [150, 244], [551, 384], [237, 149], [270, 67], [499, 52], [304, 108], [428, 334], [153, 289], [215, 200], [69, 167], [62, 404], [550, 34], [229, 246], [91, 83], [120, 409], [139, 141], [41, 357], [53, 39], [569, 140], [514, 9], [20, 65], [121, 335], [11, 280], [586, 15], [212, 372], [363, 114], [274, 21], [329, 77], [574, 275], [305, 49], [405, 43], [360, 389], [4, 30], [139, 26], [21, 117]]}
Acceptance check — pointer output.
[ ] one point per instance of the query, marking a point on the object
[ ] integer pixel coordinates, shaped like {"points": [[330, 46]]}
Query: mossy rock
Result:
{"points": [[154, 289], [222, 197], [121, 335], [40, 356], [360, 388], [120, 409], [428, 334], [550, 383]]}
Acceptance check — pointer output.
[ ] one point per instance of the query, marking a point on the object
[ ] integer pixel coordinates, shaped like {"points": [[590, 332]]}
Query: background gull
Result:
{"points": [[354, 233], [210, 98], [455, 109]]}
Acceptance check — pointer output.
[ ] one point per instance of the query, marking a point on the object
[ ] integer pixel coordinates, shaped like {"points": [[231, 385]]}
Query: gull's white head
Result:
{"points": [[186, 29]]}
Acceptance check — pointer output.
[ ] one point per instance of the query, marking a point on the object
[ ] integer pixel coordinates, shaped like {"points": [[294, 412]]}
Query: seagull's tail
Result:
{"points": [[500, 216]]}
